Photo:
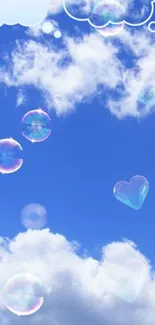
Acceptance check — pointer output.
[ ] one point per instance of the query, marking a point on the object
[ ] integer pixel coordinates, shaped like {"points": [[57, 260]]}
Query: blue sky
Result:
{"points": [[100, 135]]}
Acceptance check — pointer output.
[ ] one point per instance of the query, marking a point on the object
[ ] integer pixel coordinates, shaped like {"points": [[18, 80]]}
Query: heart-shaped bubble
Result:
{"points": [[133, 193], [125, 281]]}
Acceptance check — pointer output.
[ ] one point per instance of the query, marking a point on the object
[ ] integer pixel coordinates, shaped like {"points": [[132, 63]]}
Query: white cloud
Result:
{"points": [[21, 98], [74, 287], [82, 68], [74, 73], [23, 12]]}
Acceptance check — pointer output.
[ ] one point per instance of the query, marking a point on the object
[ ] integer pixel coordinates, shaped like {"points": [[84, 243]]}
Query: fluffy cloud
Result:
{"points": [[75, 72], [74, 288], [86, 66]]}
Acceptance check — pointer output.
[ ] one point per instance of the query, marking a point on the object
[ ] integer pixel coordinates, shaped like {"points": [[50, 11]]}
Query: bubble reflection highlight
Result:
{"points": [[36, 125], [20, 296], [11, 156], [134, 193]]}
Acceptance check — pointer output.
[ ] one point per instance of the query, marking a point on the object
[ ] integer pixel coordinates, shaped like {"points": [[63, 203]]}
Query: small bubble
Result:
{"points": [[47, 27], [57, 34]]}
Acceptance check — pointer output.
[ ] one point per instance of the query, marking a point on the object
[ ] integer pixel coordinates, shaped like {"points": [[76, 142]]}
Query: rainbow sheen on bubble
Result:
{"points": [[21, 294], [11, 156], [134, 193], [111, 29], [106, 11], [34, 216], [36, 125]]}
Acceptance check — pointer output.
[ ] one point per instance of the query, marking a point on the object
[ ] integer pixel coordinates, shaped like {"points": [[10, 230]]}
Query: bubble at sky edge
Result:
{"points": [[21, 296], [111, 29], [26, 13], [36, 125], [133, 15], [34, 216], [105, 11], [134, 193], [11, 156]]}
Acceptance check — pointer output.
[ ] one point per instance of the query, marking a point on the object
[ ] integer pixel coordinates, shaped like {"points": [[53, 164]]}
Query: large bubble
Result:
{"points": [[132, 13], [36, 125], [111, 29], [125, 281], [34, 216], [21, 294], [133, 193], [106, 11], [11, 156]]}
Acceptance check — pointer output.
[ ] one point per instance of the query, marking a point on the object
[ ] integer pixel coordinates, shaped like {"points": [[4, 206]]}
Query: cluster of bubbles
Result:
{"points": [[23, 294], [36, 127], [134, 193], [110, 15], [47, 28]]}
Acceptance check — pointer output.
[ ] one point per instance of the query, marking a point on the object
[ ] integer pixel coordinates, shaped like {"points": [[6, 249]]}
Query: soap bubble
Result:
{"points": [[125, 281], [36, 125], [47, 27], [21, 296], [11, 156], [133, 193], [34, 216], [57, 34], [111, 29], [105, 12]]}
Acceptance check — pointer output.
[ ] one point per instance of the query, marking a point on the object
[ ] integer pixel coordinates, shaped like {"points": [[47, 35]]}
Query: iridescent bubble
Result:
{"points": [[57, 34], [106, 11], [20, 294], [111, 29], [133, 193], [47, 27], [11, 156], [34, 216], [36, 125], [125, 280]]}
